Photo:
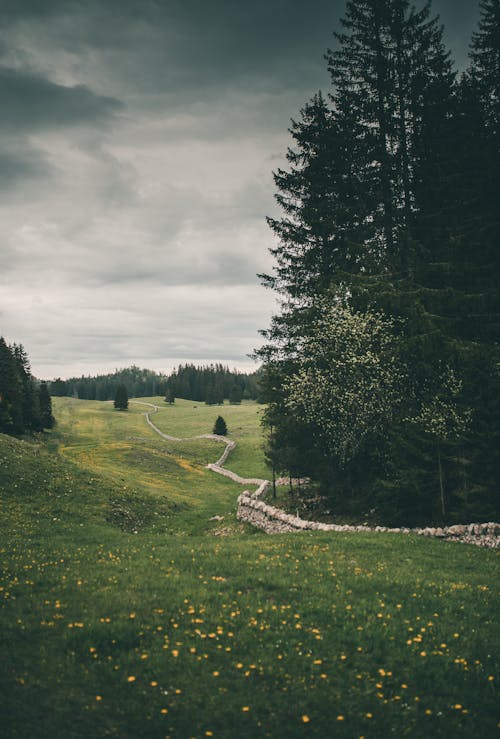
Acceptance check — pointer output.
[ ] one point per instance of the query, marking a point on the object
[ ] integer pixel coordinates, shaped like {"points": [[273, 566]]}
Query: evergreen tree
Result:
{"points": [[170, 396], [235, 395], [58, 388], [220, 427], [30, 407], [11, 389], [386, 207], [45, 404], [121, 398]]}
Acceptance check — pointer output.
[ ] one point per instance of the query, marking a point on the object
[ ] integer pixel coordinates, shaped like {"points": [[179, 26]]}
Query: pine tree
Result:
{"points": [[220, 427], [235, 395], [374, 205], [121, 398], [11, 389], [170, 396], [47, 420]]}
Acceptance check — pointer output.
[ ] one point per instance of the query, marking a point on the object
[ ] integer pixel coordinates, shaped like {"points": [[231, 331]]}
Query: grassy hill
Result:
{"points": [[125, 612]]}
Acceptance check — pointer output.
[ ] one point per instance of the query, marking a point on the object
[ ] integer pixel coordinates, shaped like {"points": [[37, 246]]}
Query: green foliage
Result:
{"points": [[25, 405], [121, 398], [236, 394], [220, 427], [348, 385], [211, 384], [139, 383], [389, 206]]}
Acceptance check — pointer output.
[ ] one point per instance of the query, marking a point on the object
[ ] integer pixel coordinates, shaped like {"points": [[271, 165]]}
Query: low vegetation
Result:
{"points": [[125, 611]]}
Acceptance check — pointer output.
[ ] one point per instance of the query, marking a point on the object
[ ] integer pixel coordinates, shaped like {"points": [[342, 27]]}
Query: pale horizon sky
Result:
{"points": [[137, 144]]}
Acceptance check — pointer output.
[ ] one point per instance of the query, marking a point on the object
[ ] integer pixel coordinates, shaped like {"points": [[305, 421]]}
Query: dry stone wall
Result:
{"points": [[272, 520], [253, 510]]}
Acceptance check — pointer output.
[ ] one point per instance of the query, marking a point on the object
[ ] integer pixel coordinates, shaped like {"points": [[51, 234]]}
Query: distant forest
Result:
{"points": [[25, 404], [382, 368], [211, 384]]}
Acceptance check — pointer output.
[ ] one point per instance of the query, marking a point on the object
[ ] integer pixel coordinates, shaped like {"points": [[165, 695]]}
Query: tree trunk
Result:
{"points": [[441, 485]]}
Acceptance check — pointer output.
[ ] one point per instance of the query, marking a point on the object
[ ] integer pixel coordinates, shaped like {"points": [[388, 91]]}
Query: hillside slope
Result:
{"points": [[108, 632]]}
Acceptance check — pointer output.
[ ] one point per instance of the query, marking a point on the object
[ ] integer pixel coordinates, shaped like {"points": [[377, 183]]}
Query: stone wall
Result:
{"points": [[272, 520]]}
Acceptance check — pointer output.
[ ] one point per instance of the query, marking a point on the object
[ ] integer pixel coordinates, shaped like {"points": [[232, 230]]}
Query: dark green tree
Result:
{"points": [[58, 388], [220, 427], [121, 398], [11, 389], [170, 396], [383, 208], [45, 404], [235, 394]]}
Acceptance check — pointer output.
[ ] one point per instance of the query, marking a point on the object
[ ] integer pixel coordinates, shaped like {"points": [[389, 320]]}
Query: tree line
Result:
{"points": [[140, 383], [382, 366], [211, 384], [25, 404]]}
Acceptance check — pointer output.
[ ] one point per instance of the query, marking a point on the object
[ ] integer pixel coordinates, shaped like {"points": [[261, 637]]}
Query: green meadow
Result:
{"points": [[125, 611]]}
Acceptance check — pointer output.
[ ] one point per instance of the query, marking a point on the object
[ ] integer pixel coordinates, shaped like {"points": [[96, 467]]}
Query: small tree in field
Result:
{"points": [[121, 398], [220, 427]]}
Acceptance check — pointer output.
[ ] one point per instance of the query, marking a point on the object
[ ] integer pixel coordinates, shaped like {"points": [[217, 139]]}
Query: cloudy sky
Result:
{"points": [[137, 144]]}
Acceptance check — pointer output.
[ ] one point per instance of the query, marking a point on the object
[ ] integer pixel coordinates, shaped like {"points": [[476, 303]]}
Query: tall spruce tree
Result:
{"points": [[45, 404], [11, 390], [373, 212]]}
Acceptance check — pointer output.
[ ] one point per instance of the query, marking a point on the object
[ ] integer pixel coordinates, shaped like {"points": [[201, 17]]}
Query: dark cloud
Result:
{"points": [[33, 102], [20, 162], [11, 9], [137, 143]]}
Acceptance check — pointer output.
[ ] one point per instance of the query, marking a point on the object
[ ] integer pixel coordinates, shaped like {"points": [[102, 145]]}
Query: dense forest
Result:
{"points": [[382, 367], [25, 404], [212, 384], [140, 383]]}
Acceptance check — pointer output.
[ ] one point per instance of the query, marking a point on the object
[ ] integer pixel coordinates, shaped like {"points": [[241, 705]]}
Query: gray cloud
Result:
{"points": [[32, 102], [137, 143], [20, 162]]}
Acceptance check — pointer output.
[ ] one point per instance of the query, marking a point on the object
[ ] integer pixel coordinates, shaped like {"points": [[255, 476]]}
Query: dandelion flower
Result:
{"points": [[305, 719]]}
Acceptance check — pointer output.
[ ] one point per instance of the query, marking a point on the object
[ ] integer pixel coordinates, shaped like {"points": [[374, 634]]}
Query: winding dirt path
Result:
{"points": [[214, 466], [274, 520]]}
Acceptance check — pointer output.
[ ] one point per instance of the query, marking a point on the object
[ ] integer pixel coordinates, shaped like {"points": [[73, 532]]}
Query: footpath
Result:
{"points": [[253, 510]]}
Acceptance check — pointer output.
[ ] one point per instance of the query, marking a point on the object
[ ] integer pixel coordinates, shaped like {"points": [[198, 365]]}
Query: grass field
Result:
{"points": [[123, 614]]}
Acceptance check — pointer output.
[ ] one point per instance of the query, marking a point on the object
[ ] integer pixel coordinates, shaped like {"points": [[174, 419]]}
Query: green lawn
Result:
{"points": [[126, 612]]}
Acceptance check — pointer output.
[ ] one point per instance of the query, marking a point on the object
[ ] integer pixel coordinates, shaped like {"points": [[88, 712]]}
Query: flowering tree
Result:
{"points": [[350, 381], [443, 420]]}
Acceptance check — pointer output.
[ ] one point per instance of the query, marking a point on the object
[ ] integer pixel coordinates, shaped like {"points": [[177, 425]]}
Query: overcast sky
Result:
{"points": [[137, 144]]}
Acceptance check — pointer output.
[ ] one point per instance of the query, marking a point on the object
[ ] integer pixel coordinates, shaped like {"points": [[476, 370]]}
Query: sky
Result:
{"points": [[137, 144]]}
